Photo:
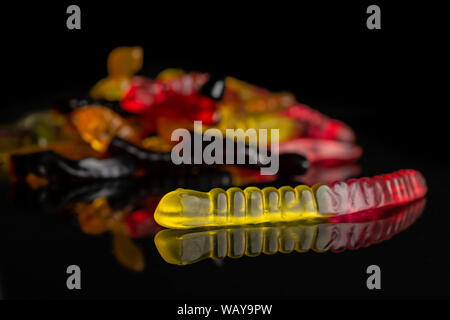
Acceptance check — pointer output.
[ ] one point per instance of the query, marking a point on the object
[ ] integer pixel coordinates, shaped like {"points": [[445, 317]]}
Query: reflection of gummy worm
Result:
{"points": [[188, 208], [184, 247], [121, 193]]}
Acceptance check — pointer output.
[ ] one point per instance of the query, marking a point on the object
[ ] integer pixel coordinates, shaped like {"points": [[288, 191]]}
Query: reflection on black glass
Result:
{"points": [[182, 247]]}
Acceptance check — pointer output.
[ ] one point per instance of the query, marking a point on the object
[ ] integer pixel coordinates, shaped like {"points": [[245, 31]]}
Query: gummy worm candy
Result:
{"points": [[288, 128], [184, 208], [273, 102], [288, 162], [118, 145], [126, 160], [322, 152], [319, 174], [319, 126], [97, 125], [57, 197], [248, 98], [183, 247], [50, 165], [122, 63], [144, 94], [67, 104]]}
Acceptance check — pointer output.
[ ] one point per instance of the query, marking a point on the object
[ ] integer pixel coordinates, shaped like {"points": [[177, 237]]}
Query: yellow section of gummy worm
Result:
{"points": [[182, 208]]}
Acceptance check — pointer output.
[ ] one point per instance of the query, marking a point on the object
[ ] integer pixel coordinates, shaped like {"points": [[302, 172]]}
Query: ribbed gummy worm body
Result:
{"points": [[189, 208]]}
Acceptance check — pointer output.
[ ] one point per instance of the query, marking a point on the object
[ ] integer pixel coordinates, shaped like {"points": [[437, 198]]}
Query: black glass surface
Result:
{"points": [[381, 83]]}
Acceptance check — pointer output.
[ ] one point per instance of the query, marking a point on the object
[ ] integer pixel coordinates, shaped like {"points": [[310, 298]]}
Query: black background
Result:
{"points": [[387, 84], [322, 52]]}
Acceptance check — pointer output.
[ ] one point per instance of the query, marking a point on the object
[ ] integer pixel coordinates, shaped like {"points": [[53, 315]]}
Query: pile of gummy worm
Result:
{"points": [[123, 128]]}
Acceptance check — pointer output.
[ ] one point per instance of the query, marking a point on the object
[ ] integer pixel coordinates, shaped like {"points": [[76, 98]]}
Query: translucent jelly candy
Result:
{"points": [[165, 127], [169, 74], [70, 149], [289, 163], [318, 125], [188, 208], [195, 107], [125, 61], [146, 188], [50, 165], [68, 103], [98, 125], [252, 99], [185, 84], [156, 143], [320, 174], [274, 102], [98, 217], [288, 128], [122, 63], [243, 91], [13, 138], [144, 94], [179, 101], [140, 223], [35, 129], [127, 253], [40, 131], [321, 151], [362, 194], [111, 88], [183, 247]]}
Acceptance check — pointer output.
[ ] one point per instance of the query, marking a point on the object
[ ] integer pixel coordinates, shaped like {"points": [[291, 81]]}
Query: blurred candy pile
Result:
{"points": [[123, 128]]}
